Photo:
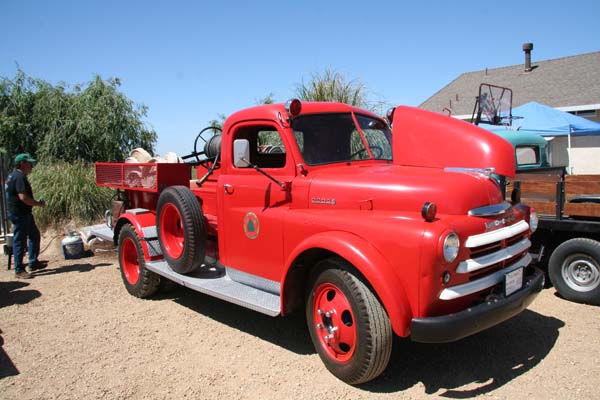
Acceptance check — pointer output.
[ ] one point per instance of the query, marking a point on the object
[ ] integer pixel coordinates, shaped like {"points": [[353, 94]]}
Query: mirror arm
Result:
{"points": [[282, 185]]}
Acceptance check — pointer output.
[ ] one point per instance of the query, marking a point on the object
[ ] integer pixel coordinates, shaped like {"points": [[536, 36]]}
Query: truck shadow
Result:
{"points": [[473, 366], [470, 367], [288, 332]]}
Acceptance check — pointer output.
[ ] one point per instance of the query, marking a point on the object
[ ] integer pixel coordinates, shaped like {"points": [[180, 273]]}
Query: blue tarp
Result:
{"points": [[548, 121]]}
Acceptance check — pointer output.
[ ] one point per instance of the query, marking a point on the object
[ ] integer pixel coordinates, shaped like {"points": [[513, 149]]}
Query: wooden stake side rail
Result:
{"points": [[553, 195]]}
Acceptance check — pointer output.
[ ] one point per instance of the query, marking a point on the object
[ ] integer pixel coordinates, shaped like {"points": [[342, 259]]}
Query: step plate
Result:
{"points": [[101, 230], [217, 284]]}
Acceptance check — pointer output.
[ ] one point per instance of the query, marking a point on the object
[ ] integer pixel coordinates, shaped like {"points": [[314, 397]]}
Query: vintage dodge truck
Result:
{"points": [[372, 229]]}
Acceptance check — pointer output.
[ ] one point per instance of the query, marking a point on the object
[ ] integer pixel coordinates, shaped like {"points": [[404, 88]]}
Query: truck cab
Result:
{"points": [[531, 150]]}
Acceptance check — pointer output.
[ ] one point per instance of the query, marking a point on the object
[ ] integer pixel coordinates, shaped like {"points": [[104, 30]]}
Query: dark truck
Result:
{"points": [[567, 241]]}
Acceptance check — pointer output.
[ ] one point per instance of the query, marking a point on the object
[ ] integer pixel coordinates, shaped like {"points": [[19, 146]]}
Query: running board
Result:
{"points": [[216, 283]]}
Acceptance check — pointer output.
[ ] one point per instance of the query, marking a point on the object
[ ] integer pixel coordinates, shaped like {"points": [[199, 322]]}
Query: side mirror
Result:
{"points": [[241, 153]]}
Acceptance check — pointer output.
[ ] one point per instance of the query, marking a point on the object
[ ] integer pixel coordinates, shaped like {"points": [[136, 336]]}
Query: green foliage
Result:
{"points": [[70, 192], [218, 123], [83, 123], [332, 86], [268, 99]]}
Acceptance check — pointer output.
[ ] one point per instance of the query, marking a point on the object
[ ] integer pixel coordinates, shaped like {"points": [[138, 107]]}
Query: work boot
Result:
{"points": [[37, 265], [23, 275]]}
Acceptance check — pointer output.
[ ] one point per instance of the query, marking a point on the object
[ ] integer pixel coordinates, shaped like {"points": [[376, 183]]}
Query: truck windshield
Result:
{"points": [[331, 138]]}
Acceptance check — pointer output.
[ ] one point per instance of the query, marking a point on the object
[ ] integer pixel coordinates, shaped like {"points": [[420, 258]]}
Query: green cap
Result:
{"points": [[24, 157]]}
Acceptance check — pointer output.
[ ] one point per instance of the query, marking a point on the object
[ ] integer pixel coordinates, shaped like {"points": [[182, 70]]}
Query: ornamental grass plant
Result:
{"points": [[71, 194]]}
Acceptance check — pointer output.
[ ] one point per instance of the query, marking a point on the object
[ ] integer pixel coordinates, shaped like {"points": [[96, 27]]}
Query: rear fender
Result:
{"points": [[145, 227], [371, 264]]}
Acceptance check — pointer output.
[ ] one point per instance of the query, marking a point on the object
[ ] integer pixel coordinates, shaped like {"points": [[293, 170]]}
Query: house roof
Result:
{"points": [[560, 83]]}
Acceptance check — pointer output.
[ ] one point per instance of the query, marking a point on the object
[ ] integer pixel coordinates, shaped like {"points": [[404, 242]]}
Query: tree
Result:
{"points": [[218, 123], [268, 99], [87, 123], [332, 86]]}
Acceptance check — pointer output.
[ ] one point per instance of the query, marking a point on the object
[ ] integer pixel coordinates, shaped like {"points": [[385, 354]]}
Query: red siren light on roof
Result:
{"points": [[293, 107]]}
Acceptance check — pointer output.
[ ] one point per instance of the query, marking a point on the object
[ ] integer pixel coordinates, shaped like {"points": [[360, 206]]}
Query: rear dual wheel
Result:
{"points": [[348, 325], [139, 281]]}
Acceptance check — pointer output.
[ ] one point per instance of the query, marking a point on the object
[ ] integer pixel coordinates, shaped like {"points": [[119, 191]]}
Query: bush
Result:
{"points": [[70, 192]]}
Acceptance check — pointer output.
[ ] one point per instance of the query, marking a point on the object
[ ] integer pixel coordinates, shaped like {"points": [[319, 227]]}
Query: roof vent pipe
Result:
{"points": [[527, 47]]}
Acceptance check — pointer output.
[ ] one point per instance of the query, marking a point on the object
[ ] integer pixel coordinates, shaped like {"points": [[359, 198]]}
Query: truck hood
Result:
{"points": [[427, 139], [399, 188]]}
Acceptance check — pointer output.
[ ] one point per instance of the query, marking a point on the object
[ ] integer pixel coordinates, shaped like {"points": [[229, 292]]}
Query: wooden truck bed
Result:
{"points": [[553, 195]]}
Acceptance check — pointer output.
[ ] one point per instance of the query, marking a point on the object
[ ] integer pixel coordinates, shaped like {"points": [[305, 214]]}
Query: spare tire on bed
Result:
{"points": [[181, 229]]}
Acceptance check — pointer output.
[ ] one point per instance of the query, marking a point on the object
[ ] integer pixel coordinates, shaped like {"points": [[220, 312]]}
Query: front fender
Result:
{"points": [[371, 264]]}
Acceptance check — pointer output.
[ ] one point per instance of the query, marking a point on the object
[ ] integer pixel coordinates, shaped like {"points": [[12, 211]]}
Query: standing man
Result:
{"points": [[20, 201]]}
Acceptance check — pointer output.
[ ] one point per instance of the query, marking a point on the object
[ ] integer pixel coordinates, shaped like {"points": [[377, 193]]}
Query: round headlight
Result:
{"points": [[533, 220], [451, 247]]}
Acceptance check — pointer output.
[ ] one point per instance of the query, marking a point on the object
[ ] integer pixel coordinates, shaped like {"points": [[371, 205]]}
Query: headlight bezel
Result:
{"points": [[534, 220], [450, 247]]}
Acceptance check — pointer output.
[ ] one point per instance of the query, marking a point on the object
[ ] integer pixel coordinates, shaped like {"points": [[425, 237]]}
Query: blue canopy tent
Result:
{"points": [[549, 123]]}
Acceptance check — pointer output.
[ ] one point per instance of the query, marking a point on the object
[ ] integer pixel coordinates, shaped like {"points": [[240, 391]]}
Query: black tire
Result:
{"points": [[574, 269], [360, 335], [181, 229], [139, 281]]}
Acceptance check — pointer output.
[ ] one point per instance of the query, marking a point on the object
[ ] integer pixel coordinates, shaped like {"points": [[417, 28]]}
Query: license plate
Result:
{"points": [[513, 281]]}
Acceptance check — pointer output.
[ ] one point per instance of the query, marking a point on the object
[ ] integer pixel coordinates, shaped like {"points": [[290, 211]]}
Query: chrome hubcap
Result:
{"points": [[581, 273]]}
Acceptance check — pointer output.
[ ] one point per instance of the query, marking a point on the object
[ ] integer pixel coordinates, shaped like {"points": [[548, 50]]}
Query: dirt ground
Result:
{"points": [[73, 332]]}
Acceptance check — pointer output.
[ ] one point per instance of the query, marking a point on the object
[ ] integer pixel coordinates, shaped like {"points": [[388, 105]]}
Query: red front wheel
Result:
{"points": [[348, 325], [334, 322]]}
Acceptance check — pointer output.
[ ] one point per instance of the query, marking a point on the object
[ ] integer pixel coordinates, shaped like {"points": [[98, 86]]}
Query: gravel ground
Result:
{"points": [[74, 332]]}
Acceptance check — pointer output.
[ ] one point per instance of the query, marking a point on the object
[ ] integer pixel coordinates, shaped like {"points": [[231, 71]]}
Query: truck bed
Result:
{"points": [[558, 196], [145, 177]]}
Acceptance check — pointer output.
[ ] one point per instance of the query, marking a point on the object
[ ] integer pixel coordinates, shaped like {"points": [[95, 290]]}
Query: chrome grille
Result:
{"points": [[492, 254]]}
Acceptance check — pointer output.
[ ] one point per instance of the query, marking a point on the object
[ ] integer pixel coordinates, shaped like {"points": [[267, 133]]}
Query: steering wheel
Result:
{"points": [[373, 148]]}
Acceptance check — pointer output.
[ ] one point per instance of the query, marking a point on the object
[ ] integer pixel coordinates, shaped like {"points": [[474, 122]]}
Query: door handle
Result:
{"points": [[228, 188]]}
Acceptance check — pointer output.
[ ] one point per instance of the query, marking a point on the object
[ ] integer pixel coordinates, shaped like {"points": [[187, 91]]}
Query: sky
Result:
{"points": [[190, 61]]}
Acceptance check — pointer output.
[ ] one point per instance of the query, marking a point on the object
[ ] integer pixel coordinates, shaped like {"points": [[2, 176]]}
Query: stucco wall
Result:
{"points": [[585, 154]]}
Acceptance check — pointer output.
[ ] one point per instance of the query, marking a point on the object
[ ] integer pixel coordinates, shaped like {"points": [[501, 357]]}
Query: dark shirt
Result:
{"points": [[17, 183]]}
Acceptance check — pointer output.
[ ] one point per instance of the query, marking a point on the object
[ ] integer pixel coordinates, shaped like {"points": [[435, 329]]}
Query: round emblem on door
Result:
{"points": [[251, 225]]}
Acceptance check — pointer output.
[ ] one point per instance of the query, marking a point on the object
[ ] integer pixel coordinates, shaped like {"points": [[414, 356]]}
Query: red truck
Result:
{"points": [[372, 231]]}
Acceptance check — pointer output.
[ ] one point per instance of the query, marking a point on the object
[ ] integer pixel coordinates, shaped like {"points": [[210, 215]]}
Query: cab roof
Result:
{"points": [[271, 111]]}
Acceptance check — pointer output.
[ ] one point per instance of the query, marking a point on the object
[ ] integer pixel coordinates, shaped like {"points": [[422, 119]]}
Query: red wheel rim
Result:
{"points": [[334, 322], [171, 230], [130, 262]]}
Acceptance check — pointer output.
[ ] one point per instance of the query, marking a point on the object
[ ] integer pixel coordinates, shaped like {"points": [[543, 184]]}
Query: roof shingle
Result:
{"points": [[561, 82]]}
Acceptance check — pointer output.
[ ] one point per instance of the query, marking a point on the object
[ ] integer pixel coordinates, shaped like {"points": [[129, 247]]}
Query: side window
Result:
{"points": [[266, 146]]}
